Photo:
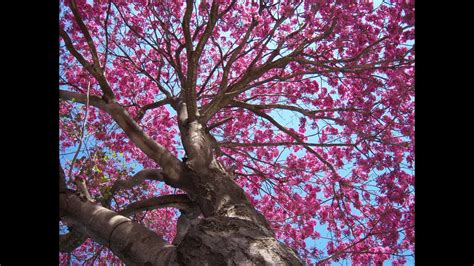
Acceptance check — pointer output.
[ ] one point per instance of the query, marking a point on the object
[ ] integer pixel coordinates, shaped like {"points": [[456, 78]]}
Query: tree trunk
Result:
{"points": [[222, 227], [229, 232], [232, 241]]}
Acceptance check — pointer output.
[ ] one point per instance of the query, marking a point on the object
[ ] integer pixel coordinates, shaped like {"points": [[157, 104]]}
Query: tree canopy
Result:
{"points": [[308, 104]]}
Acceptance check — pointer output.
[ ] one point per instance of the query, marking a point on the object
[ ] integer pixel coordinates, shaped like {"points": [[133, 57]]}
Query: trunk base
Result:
{"points": [[222, 240]]}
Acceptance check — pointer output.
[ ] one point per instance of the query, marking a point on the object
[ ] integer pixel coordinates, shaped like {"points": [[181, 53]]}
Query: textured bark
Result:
{"points": [[230, 231], [131, 242], [232, 241]]}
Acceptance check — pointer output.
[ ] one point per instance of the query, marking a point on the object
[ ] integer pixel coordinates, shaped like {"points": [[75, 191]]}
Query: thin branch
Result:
{"points": [[284, 129], [85, 32], [81, 184], [106, 35], [219, 123], [92, 69], [282, 143], [70, 241], [94, 100]]}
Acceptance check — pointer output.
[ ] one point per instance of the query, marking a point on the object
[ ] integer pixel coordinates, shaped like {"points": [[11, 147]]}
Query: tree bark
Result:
{"points": [[229, 232], [133, 243]]}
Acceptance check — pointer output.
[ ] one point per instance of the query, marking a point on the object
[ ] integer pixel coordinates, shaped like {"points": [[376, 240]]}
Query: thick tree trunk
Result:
{"points": [[222, 227], [229, 232], [232, 241]]}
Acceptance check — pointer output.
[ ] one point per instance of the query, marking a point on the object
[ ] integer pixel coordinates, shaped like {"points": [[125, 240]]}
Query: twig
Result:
{"points": [[81, 184]]}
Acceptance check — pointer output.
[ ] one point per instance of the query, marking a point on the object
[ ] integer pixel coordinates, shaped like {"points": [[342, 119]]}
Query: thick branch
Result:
{"points": [[131, 242], [150, 174], [211, 23], [94, 100], [195, 141], [253, 74], [154, 105], [179, 201], [193, 56], [187, 32], [170, 164], [172, 167], [188, 88]]}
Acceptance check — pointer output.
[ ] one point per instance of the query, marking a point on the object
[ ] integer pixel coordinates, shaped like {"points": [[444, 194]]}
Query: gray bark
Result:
{"points": [[133, 243], [229, 232]]}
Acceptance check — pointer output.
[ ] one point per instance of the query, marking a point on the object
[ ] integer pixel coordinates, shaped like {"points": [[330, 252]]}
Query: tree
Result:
{"points": [[179, 142]]}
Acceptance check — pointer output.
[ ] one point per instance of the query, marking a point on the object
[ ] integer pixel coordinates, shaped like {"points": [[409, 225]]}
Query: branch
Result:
{"points": [[156, 47], [253, 74], [81, 184], [171, 166], [133, 243], [179, 201], [185, 25], [219, 123], [282, 143], [109, 5], [94, 100], [309, 113], [235, 53], [92, 69], [85, 32], [150, 174], [211, 23], [239, 86], [193, 56], [70, 241], [145, 72], [284, 129], [62, 180], [154, 105]]}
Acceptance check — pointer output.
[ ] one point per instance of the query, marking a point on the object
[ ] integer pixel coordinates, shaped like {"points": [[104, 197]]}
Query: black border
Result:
{"points": [[29, 128], [29, 119]]}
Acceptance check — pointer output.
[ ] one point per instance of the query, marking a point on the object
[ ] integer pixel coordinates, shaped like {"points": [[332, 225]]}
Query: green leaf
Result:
{"points": [[96, 169]]}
